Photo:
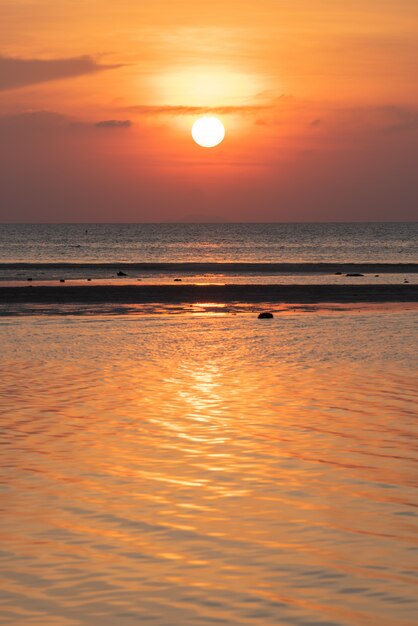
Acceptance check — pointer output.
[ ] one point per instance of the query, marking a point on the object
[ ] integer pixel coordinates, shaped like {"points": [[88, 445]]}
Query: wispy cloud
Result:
{"points": [[114, 124], [48, 122], [15, 73], [378, 119], [198, 110], [399, 118]]}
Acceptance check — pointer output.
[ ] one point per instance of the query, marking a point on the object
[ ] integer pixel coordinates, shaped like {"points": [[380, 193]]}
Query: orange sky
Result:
{"points": [[319, 100]]}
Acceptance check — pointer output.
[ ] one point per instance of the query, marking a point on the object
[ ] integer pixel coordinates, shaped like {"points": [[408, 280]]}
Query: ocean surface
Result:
{"points": [[137, 243], [172, 460], [209, 469], [207, 253]]}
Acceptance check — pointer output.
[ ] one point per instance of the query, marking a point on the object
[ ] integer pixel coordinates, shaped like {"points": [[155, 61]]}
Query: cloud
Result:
{"points": [[399, 118], [15, 73], [51, 121], [379, 119], [114, 124], [198, 110]]}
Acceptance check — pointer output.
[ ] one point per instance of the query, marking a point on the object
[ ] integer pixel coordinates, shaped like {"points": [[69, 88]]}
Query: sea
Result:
{"points": [[169, 243], [208, 468], [202, 253]]}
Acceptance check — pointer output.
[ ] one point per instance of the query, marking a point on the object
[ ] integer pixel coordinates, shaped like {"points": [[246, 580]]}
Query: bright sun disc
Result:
{"points": [[208, 131]]}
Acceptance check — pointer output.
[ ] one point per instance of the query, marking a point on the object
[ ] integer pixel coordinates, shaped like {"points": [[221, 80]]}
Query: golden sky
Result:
{"points": [[319, 100]]}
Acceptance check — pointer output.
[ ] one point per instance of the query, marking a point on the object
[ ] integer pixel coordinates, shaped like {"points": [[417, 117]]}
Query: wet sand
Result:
{"points": [[130, 294]]}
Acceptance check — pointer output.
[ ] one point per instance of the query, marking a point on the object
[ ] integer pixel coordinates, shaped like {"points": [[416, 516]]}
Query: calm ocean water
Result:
{"points": [[209, 242], [206, 468], [209, 469]]}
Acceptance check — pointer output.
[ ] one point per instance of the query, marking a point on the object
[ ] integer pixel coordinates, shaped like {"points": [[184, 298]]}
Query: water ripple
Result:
{"points": [[200, 471]]}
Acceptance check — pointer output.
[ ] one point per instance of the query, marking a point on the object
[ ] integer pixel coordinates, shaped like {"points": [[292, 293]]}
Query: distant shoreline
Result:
{"points": [[186, 293]]}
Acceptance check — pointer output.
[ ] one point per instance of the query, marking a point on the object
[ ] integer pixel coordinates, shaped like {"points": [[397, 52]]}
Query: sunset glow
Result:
{"points": [[311, 97]]}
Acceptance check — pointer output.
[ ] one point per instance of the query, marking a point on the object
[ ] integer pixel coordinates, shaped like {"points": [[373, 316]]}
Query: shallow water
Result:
{"points": [[209, 469], [212, 279]]}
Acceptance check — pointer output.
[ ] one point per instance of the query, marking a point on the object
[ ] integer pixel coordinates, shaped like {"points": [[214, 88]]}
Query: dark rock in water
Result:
{"points": [[177, 280], [338, 273], [89, 280], [62, 280], [265, 315], [30, 278], [121, 274], [406, 281], [354, 274], [376, 275]]}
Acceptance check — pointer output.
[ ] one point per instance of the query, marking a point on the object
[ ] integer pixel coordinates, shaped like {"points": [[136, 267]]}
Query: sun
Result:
{"points": [[208, 131]]}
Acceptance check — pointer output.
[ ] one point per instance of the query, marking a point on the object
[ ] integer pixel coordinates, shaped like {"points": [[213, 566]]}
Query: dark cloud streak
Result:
{"points": [[16, 73], [114, 124]]}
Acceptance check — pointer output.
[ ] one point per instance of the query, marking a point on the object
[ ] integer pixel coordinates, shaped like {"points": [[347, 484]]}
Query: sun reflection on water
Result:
{"points": [[209, 468]]}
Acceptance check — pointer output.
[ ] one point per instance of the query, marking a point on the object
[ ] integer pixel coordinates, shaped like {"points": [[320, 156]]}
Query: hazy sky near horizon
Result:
{"points": [[319, 100]]}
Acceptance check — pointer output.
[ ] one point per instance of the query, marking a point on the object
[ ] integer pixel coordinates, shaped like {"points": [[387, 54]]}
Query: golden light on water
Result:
{"points": [[190, 457]]}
